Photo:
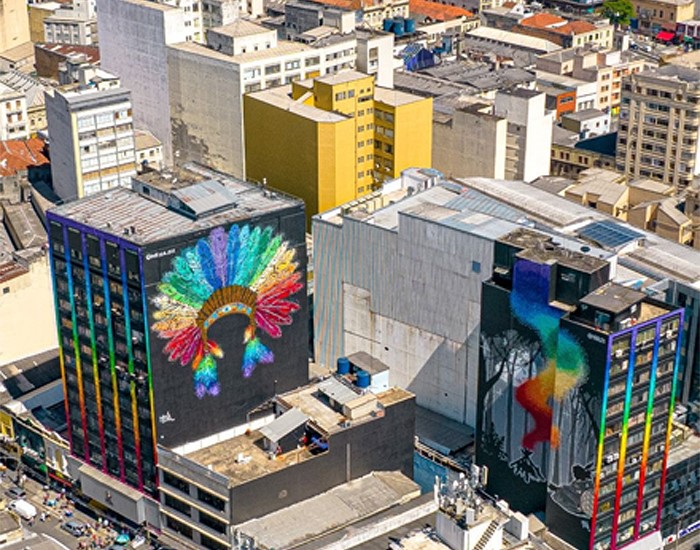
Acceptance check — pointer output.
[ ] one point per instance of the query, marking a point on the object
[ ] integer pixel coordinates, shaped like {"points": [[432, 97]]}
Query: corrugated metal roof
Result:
{"points": [[284, 424], [337, 391], [206, 196]]}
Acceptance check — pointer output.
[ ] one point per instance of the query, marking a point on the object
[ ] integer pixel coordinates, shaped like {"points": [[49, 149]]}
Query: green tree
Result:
{"points": [[618, 11]]}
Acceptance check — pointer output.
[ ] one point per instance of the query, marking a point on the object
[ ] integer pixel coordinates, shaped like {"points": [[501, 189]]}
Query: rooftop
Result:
{"points": [[281, 98], [283, 48], [91, 53], [24, 225], [31, 88], [240, 28], [436, 11], [308, 401], [613, 297], [342, 77], [539, 45], [120, 211], [18, 155], [586, 114], [26, 375], [395, 98], [144, 139]]}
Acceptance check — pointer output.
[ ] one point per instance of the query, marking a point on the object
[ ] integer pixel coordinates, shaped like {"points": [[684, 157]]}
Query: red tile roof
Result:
{"points": [[576, 27], [16, 155], [542, 21], [556, 24], [91, 52], [436, 11]]}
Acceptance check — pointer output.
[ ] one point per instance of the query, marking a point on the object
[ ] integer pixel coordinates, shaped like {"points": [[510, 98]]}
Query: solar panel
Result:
{"points": [[609, 234]]}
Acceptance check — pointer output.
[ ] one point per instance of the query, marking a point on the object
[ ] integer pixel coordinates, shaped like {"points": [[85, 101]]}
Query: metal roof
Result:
{"points": [[609, 233], [205, 197], [284, 424], [337, 391]]}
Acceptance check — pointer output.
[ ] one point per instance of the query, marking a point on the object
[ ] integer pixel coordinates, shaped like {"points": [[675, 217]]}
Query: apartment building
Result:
{"points": [[210, 130], [192, 17], [659, 123], [606, 68], [74, 24], [654, 16], [92, 141], [34, 97], [349, 135], [373, 12], [37, 14], [13, 114]]}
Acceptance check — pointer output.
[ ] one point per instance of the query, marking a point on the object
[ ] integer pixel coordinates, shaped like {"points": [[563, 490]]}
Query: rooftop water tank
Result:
{"points": [[399, 26], [343, 365], [388, 24], [363, 379], [410, 26]]}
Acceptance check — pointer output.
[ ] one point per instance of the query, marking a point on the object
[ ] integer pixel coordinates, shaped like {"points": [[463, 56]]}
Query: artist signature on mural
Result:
{"points": [[165, 418]]}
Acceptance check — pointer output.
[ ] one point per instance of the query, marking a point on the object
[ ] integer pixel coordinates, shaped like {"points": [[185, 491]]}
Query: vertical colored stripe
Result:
{"points": [[130, 350], [61, 358], [93, 346], [623, 439], [671, 407], [76, 346], [112, 360], [148, 364], [647, 429], [601, 443]]}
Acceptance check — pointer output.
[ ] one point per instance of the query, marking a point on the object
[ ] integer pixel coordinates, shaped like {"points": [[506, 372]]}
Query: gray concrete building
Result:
{"points": [[134, 35]]}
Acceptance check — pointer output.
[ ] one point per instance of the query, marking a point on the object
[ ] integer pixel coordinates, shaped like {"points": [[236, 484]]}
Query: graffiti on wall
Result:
{"points": [[244, 271]]}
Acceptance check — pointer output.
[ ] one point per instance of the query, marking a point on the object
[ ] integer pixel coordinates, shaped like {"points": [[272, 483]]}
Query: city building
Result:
{"points": [[592, 64], [34, 98], [512, 132], [653, 17], [659, 122], [217, 13], [567, 33], [192, 12], [132, 324], [577, 385], [375, 56], [149, 151], [566, 94], [210, 130], [587, 123], [350, 135], [19, 58], [14, 24], [72, 24], [14, 123], [92, 140], [38, 12], [571, 155], [134, 35], [523, 42], [51, 57], [318, 448], [373, 13]]}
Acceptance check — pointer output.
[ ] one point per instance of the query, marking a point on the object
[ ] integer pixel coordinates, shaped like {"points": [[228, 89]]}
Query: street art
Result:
{"points": [[244, 271]]}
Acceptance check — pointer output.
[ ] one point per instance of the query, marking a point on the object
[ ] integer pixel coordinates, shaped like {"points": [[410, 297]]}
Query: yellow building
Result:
{"points": [[14, 24], [658, 15], [348, 136], [37, 14]]}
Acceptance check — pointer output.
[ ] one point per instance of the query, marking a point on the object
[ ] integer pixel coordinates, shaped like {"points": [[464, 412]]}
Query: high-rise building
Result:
{"points": [[134, 35], [577, 385], [75, 24], [147, 282], [349, 136], [92, 140], [14, 24], [659, 125]]}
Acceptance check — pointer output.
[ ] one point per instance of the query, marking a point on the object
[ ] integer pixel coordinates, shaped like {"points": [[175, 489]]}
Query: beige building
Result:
{"points": [[657, 15], [14, 24], [34, 95], [659, 126], [13, 114], [37, 14], [606, 68], [149, 151]]}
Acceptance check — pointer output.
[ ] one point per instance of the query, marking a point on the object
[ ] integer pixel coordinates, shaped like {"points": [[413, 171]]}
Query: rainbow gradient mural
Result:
{"points": [[565, 359], [244, 271]]}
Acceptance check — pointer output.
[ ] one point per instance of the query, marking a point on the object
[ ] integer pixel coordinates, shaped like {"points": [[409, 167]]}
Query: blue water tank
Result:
{"points": [[399, 26], [410, 26], [388, 24], [363, 379], [343, 365]]}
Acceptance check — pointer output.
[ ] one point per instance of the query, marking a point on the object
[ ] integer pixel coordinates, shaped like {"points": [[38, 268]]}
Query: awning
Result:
{"points": [[665, 36]]}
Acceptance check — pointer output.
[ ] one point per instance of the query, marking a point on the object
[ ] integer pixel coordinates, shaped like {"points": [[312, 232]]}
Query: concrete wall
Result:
{"points": [[14, 24], [27, 319], [423, 324], [375, 55], [133, 40], [470, 144], [207, 110]]}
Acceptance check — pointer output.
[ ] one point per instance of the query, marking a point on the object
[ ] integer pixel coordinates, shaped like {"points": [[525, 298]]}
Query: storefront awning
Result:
{"points": [[665, 36]]}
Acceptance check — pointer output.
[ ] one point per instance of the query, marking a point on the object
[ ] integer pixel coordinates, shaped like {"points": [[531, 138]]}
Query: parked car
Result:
{"points": [[74, 527], [23, 509], [17, 492]]}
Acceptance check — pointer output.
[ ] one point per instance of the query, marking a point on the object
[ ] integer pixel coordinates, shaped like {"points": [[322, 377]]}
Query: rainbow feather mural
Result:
{"points": [[565, 366], [243, 271]]}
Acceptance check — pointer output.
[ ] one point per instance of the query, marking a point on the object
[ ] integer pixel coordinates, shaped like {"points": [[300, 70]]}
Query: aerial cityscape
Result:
{"points": [[334, 274]]}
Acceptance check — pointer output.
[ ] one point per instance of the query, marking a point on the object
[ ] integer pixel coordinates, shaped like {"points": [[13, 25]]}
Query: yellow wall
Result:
{"points": [[336, 164], [6, 425], [413, 135], [37, 14], [14, 24]]}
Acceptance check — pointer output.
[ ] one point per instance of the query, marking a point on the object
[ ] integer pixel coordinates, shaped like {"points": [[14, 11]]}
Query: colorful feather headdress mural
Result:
{"points": [[245, 271]]}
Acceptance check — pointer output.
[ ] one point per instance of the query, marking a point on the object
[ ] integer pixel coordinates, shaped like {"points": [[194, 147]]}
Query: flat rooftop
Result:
{"points": [[117, 210], [221, 457], [281, 98], [613, 297], [342, 77], [394, 97], [240, 28]]}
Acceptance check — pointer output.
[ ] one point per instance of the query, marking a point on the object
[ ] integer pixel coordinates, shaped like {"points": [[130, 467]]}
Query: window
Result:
{"points": [[340, 96], [290, 65], [176, 482], [177, 504], [476, 266], [272, 69], [312, 61], [351, 93], [211, 522], [212, 500]]}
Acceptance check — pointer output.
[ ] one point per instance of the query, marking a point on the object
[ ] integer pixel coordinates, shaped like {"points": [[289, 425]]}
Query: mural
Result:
{"points": [[246, 271]]}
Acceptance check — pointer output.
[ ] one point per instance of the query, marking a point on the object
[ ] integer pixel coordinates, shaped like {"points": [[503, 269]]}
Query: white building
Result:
{"points": [[73, 24], [529, 136], [92, 141], [13, 114], [207, 86], [192, 12], [149, 151], [134, 35], [375, 55], [216, 13]]}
